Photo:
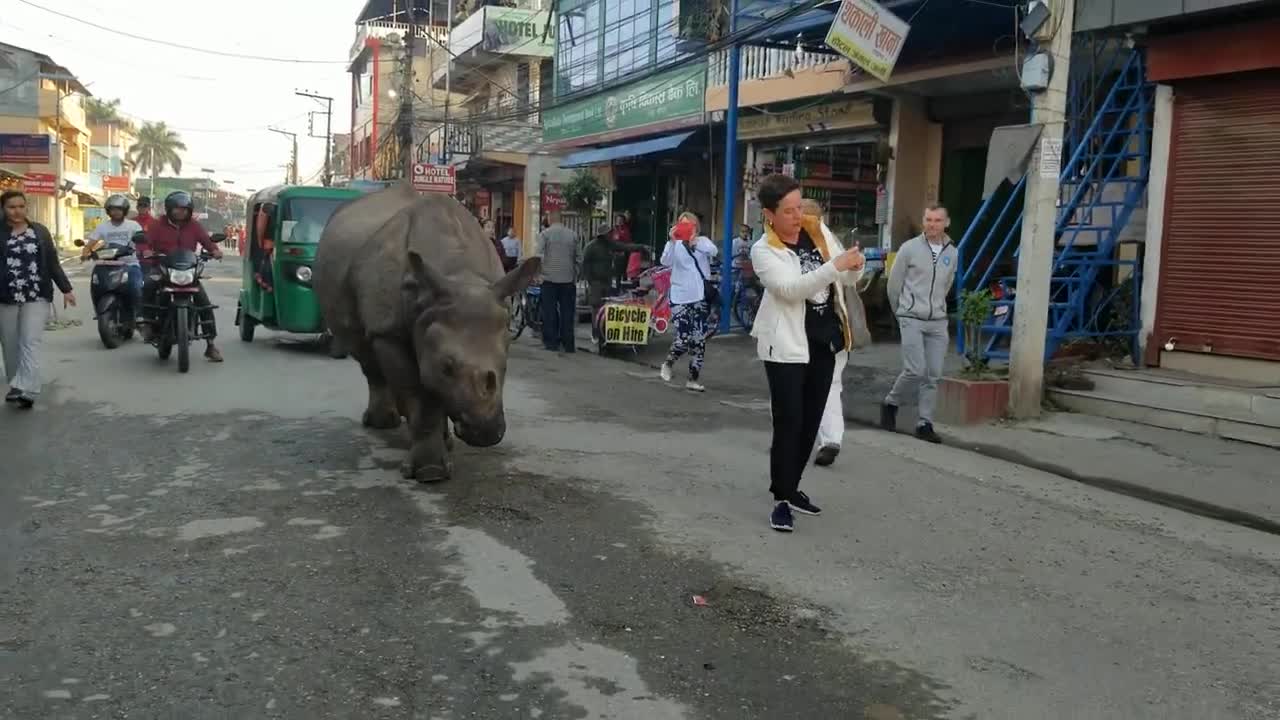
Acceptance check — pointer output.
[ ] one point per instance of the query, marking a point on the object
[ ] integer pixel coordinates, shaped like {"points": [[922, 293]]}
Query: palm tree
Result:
{"points": [[157, 147], [106, 112]]}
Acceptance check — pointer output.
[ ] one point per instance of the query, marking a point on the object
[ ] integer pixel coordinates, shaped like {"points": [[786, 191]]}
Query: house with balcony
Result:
{"points": [[501, 69], [377, 68], [45, 139]]}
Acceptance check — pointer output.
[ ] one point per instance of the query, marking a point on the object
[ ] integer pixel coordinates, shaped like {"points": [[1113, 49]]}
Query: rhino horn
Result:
{"points": [[518, 279], [423, 280]]}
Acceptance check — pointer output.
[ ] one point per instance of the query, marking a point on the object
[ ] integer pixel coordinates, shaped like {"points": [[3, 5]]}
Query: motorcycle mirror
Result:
{"points": [[139, 237], [218, 237], [78, 242]]}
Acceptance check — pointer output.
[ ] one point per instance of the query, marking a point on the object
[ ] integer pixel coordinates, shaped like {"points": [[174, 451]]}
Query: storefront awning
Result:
{"points": [[596, 156], [87, 200]]}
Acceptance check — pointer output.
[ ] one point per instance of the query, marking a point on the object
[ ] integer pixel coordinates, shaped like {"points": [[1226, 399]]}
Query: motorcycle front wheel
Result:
{"points": [[109, 324], [182, 331]]}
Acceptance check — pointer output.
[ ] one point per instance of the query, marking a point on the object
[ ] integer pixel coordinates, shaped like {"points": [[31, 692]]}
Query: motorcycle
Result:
{"points": [[109, 290], [172, 314]]}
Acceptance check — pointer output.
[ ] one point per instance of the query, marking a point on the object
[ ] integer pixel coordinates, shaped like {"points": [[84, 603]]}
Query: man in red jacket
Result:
{"points": [[178, 231]]}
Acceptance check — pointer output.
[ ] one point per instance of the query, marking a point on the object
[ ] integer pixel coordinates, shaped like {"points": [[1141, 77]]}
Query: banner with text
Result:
{"points": [[40, 184], [27, 149], [626, 324], [665, 101], [869, 35], [435, 178]]}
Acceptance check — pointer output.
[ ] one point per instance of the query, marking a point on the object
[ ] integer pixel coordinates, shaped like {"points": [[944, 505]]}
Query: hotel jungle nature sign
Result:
{"points": [[665, 101], [869, 35]]}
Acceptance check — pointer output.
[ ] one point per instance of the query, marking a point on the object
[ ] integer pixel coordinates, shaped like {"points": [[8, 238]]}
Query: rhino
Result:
{"points": [[413, 291]]}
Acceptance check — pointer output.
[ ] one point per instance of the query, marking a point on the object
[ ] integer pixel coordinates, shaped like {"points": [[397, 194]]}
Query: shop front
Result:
{"points": [[1218, 298]]}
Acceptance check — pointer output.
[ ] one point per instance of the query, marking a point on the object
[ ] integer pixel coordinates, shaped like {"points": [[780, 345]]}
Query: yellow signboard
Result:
{"points": [[869, 35], [626, 324]]}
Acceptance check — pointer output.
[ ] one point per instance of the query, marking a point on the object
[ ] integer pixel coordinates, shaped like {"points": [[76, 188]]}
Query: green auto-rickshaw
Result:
{"points": [[283, 229]]}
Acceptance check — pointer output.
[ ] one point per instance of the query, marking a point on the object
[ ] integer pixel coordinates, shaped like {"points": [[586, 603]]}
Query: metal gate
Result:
{"points": [[1220, 260]]}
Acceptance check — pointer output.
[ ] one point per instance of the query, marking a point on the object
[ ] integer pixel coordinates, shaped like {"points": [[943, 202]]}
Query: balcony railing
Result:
{"points": [[385, 28], [759, 63], [72, 114]]}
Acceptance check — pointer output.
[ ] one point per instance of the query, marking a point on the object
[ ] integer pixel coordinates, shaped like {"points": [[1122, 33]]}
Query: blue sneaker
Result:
{"points": [[800, 503], [781, 519]]}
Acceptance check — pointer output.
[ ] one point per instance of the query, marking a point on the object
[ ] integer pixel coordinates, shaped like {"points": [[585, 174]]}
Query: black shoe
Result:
{"points": [[13, 396], [781, 519], [925, 432], [25, 402], [826, 455], [800, 503], [888, 417]]}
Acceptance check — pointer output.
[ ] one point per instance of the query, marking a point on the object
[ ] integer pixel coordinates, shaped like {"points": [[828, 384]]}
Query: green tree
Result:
{"points": [[157, 147]]}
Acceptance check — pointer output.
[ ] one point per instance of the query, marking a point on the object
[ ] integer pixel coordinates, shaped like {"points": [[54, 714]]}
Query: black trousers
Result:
{"points": [[797, 397], [559, 315]]}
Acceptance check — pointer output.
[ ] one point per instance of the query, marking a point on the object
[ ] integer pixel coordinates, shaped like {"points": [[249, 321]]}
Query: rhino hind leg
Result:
{"points": [[382, 412]]}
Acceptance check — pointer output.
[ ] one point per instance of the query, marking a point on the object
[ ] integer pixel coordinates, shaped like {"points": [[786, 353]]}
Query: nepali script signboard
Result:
{"points": [[626, 324], [662, 102], [869, 35]]}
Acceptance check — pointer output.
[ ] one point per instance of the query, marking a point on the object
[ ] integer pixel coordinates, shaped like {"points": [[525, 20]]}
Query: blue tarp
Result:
{"points": [[595, 156]]}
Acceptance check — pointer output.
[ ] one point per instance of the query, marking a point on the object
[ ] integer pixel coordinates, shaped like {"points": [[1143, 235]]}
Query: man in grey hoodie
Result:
{"points": [[919, 284]]}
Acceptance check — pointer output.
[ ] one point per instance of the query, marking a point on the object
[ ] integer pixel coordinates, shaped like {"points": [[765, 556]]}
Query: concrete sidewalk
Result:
{"points": [[1232, 481]]}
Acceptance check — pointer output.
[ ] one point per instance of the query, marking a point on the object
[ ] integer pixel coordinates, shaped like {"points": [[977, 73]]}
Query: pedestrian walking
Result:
{"points": [[30, 272], [689, 254], [801, 325], [558, 248], [919, 284], [831, 430]]}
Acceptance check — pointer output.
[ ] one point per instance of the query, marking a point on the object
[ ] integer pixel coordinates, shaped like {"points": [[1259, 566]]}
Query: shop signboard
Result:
{"points": [[850, 114], [869, 35], [115, 183], [553, 198], [26, 149], [626, 324], [40, 183], [435, 178], [665, 101], [484, 203], [505, 31]]}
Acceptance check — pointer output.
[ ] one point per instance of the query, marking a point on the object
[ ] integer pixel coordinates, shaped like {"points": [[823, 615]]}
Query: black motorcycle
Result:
{"points": [[109, 289], [172, 314]]}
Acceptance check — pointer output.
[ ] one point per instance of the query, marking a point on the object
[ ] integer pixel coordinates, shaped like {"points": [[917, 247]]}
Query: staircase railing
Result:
{"points": [[1098, 193]]}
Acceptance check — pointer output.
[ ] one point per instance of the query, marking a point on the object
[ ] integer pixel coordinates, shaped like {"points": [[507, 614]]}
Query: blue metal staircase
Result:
{"points": [[1106, 152]]}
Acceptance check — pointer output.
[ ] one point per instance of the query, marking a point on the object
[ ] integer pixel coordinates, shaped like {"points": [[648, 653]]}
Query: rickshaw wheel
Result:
{"points": [[332, 346], [247, 325]]}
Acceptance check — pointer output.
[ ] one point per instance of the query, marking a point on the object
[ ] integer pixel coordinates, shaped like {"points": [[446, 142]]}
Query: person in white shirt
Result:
{"points": [[688, 254], [510, 249], [117, 231], [801, 326]]}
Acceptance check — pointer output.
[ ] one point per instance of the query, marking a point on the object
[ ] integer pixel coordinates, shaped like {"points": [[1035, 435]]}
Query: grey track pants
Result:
{"points": [[924, 347], [21, 330]]}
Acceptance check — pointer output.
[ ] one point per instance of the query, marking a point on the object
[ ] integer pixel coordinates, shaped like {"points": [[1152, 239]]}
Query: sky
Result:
{"points": [[220, 106]]}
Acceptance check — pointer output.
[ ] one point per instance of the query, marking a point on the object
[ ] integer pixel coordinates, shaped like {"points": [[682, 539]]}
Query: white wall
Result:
{"points": [[1161, 132]]}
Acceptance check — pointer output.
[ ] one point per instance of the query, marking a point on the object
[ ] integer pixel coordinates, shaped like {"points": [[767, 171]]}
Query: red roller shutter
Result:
{"points": [[1220, 260]]}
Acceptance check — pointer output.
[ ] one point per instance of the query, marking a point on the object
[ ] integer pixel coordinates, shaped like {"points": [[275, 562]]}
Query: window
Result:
{"points": [[522, 85], [578, 47], [546, 81], [305, 218], [628, 35]]}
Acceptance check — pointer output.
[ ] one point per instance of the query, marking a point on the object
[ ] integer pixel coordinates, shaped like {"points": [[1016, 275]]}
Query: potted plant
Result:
{"points": [[978, 394]]}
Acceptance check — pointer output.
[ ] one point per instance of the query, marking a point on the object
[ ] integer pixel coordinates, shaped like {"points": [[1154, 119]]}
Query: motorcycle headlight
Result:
{"points": [[182, 277], [303, 273]]}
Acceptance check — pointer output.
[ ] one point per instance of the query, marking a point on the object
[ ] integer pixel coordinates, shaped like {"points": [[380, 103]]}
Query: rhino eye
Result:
{"points": [[450, 367]]}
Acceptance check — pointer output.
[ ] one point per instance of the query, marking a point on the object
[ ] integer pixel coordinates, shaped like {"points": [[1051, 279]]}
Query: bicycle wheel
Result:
{"points": [[745, 306], [517, 322]]}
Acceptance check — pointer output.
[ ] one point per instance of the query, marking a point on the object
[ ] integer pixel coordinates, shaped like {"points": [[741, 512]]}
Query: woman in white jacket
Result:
{"points": [[801, 325], [688, 254]]}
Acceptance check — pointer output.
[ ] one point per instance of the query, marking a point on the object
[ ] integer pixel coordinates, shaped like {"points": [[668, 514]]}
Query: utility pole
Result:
{"points": [[446, 150], [730, 175], [292, 176], [58, 170], [1039, 222], [328, 132], [406, 94]]}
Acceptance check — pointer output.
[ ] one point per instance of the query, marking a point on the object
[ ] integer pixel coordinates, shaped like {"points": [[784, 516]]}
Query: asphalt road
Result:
{"points": [[232, 544]]}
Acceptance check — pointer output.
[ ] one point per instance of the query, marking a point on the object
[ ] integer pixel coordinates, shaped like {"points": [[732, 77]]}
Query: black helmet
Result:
{"points": [[117, 201], [144, 201], [175, 200]]}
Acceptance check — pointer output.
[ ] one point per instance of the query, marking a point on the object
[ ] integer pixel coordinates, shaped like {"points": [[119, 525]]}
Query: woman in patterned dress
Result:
{"points": [[28, 274]]}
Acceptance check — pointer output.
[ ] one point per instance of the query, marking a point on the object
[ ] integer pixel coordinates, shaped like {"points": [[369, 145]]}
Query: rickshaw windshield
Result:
{"points": [[304, 218]]}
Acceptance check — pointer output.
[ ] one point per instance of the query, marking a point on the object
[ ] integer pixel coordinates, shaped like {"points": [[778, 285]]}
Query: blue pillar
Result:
{"points": [[730, 176]]}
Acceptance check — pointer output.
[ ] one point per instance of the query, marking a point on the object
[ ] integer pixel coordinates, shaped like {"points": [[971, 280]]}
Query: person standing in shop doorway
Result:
{"points": [[919, 284], [558, 248]]}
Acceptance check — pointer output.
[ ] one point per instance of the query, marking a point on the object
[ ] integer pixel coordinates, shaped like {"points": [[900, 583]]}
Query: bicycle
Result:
{"points": [[525, 311]]}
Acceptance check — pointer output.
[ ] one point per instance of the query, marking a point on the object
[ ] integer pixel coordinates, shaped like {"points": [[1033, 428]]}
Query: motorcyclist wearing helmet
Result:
{"points": [[117, 231], [178, 229]]}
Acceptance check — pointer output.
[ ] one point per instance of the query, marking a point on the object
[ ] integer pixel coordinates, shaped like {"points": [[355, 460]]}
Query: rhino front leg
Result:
{"points": [[428, 459], [381, 412]]}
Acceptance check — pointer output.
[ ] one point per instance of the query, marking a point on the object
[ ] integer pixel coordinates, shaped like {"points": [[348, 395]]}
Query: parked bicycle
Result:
{"points": [[526, 311]]}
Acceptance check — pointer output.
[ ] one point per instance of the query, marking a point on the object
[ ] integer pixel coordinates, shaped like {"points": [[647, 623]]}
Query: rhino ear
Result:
{"points": [[518, 279], [423, 282]]}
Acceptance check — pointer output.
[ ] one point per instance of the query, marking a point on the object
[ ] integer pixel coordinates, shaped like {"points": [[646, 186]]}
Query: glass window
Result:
{"points": [[667, 31], [578, 48], [522, 85], [628, 37], [305, 218]]}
